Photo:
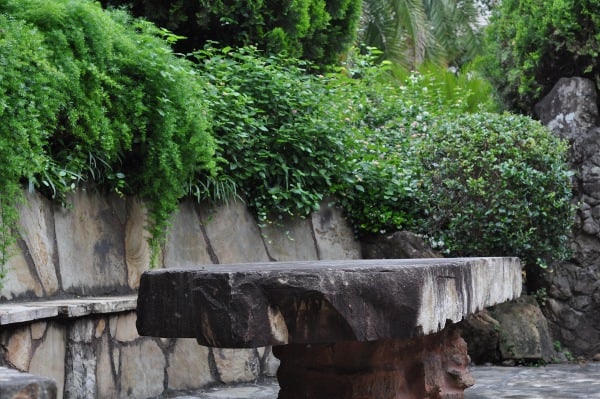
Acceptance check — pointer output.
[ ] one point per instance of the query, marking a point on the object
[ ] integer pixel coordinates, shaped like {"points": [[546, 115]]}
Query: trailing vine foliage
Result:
{"points": [[316, 30], [91, 98], [531, 44]]}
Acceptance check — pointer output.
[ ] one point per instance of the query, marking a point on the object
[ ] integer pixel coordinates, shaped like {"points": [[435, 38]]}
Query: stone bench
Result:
{"points": [[341, 329]]}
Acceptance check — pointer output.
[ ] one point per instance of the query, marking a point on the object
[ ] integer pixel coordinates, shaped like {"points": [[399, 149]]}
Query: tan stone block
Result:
{"points": [[38, 329], [143, 361], [100, 326], [334, 236], [234, 234], [237, 365], [105, 379], [116, 354], [37, 230], [90, 244], [185, 245], [137, 249], [19, 280], [290, 239], [125, 330], [19, 348], [188, 365], [48, 360]]}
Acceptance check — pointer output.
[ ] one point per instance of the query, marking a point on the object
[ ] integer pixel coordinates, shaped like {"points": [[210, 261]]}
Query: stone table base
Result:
{"points": [[432, 366]]}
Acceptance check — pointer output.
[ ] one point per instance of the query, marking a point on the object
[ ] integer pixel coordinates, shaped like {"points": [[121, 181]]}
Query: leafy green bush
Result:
{"points": [[389, 110], [475, 183], [496, 184], [273, 138], [95, 97], [316, 30], [534, 43]]}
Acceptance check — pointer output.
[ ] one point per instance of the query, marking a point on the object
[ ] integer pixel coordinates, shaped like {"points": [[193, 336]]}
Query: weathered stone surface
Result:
{"points": [[146, 362], [233, 234], [570, 108], [91, 245], [11, 313], [20, 280], [433, 366], [254, 305], [19, 348], [188, 365], [185, 244], [289, 240], [269, 363], [37, 230], [524, 332], [236, 365], [105, 376], [137, 250], [124, 327], [482, 334], [52, 347], [18, 385], [80, 379], [397, 245], [333, 234], [573, 306]]}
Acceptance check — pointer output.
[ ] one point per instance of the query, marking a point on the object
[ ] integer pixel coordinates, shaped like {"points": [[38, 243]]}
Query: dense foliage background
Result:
{"points": [[531, 44], [316, 30], [94, 98]]}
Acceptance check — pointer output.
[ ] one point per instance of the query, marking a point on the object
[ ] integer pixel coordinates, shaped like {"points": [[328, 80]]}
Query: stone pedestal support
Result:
{"points": [[432, 366]]}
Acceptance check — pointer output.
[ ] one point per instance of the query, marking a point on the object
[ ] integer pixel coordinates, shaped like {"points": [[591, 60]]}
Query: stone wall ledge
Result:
{"points": [[22, 312], [18, 385]]}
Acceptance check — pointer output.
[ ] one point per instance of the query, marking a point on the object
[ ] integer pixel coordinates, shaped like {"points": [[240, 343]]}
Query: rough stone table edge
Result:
{"points": [[21, 312]]}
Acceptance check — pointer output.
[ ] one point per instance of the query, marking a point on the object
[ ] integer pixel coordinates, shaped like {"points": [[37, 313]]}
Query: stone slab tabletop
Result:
{"points": [[20, 312], [277, 303]]}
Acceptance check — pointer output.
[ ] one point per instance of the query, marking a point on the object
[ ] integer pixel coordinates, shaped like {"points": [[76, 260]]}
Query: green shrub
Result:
{"points": [[389, 109], [532, 44], [273, 138], [99, 98], [496, 184], [316, 30]]}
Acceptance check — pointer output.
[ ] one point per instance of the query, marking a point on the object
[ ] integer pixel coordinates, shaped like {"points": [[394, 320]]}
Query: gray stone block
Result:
{"points": [[18, 385]]}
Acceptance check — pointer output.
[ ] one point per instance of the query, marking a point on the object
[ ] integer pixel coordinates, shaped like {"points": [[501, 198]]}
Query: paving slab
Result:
{"points": [[556, 381]]}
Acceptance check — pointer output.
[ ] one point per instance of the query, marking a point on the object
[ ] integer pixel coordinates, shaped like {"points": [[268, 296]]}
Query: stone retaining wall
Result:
{"points": [[98, 247]]}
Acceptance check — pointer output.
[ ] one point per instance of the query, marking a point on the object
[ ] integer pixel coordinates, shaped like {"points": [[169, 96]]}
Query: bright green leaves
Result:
{"points": [[90, 96]]}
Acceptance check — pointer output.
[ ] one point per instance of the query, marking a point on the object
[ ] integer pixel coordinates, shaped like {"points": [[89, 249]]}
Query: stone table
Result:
{"points": [[342, 329]]}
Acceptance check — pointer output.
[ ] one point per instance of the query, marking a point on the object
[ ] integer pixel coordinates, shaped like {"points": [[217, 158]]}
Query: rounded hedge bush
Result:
{"points": [[496, 184]]}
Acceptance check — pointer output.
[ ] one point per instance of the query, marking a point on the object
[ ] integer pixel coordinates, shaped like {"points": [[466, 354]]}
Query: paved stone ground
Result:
{"points": [[557, 381]]}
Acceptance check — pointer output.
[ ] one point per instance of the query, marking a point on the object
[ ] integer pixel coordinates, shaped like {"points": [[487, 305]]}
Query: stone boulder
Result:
{"points": [[570, 111], [510, 332]]}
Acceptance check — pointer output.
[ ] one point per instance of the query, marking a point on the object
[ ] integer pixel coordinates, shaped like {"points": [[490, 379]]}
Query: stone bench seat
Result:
{"points": [[22, 312], [341, 329]]}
